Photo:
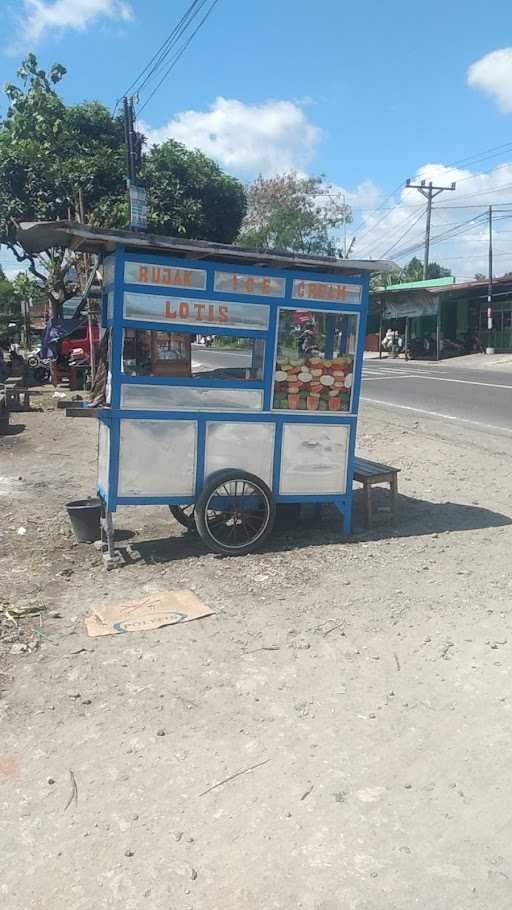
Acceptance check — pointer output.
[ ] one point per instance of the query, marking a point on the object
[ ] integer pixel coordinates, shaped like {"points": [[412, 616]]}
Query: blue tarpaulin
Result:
{"points": [[58, 328]]}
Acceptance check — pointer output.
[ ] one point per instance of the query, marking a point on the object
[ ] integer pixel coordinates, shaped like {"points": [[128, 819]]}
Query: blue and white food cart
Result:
{"points": [[222, 432]]}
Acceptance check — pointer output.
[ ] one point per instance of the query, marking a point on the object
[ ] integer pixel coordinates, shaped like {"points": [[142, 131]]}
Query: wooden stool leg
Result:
{"points": [[393, 489], [369, 513]]}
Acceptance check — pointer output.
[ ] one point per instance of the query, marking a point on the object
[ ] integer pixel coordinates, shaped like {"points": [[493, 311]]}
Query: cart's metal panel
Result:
{"points": [[174, 398], [157, 457], [240, 445], [103, 456], [314, 458]]}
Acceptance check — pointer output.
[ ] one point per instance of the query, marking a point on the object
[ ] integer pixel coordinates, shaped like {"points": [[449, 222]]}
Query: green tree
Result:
{"points": [[60, 163], [413, 271], [10, 309], [295, 213], [55, 163], [188, 194]]}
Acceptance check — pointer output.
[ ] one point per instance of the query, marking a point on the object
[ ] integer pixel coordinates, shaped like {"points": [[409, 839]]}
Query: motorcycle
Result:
{"points": [[39, 367], [416, 348]]}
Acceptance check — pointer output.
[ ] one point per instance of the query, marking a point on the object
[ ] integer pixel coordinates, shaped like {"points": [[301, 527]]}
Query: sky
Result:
{"points": [[367, 94]]}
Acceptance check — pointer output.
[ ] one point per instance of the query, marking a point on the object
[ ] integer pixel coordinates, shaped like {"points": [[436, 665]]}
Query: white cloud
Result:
{"points": [[249, 139], [40, 17], [459, 229], [493, 74]]}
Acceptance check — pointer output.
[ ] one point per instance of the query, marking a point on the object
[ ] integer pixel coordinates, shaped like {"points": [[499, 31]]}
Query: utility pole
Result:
{"points": [[136, 194], [490, 323], [26, 307], [129, 133], [429, 192]]}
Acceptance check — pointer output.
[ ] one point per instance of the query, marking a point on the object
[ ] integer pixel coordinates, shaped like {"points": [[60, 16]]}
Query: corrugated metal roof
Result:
{"points": [[428, 283], [38, 236], [406, 291]]}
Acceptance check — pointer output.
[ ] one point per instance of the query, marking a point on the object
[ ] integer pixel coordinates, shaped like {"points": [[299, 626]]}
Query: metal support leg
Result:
{"points": [[346, 511], [369, 512], [111, 559], [393, 489]]}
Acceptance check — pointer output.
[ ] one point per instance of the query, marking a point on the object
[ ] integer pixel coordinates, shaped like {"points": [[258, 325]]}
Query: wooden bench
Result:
{"points": [[370, 473], [13, 392]]}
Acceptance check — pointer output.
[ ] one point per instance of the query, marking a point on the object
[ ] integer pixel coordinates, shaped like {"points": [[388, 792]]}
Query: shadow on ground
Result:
{"points": [[416, 517], [14, 430]]}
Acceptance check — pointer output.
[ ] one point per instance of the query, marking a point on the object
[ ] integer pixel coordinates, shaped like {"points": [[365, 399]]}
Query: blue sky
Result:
{"points": [[367, 94]]}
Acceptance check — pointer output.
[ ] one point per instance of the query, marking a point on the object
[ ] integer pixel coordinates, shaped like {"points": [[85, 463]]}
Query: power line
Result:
{"points": [[164, 49], [461, 228], [464, 227], [381, 208], [409, 229], [178, 32], [482, 156], [179, 54]]}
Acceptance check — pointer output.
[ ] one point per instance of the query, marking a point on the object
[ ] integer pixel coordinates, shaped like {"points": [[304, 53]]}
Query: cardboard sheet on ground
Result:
{"points": [[156, 610]]}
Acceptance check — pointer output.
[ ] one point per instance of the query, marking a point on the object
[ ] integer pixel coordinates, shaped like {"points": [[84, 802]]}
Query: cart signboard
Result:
{"points": [[201, 313]]}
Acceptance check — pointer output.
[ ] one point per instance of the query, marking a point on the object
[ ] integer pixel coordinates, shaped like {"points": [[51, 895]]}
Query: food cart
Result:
{"points": [[267, 414]]}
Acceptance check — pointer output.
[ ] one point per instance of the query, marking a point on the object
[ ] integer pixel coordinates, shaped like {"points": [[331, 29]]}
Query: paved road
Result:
{"points": [[472, 397], [204, 358], [469, 396]]}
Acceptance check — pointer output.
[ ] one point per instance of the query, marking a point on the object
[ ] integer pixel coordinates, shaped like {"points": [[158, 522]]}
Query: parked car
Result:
{"points": [[79, 339]]}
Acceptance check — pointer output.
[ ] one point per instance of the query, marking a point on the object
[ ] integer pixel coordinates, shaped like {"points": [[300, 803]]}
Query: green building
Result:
{"points": [[455, 313]]}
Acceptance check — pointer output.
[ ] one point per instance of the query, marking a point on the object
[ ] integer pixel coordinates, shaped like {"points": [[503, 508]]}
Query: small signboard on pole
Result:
{"points": [[138, 207]]}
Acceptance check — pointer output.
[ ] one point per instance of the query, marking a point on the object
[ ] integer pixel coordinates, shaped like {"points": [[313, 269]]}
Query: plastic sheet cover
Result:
{"points": [[314, 458], [249, 446], [157, 457], [173, 398]]}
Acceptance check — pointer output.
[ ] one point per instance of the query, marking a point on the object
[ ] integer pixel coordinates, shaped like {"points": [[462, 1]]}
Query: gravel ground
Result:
{"points": [[363, 686]]}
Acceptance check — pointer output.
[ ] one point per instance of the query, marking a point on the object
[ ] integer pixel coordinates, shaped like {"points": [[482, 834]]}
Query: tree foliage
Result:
{"points": [[10, 309], [413, 271], [188, 194], [55, 163], [290, 212], [59, 163]]}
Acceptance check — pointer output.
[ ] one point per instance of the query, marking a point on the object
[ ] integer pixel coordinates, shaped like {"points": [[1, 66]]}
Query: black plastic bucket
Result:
{"points": [[84, 515]]}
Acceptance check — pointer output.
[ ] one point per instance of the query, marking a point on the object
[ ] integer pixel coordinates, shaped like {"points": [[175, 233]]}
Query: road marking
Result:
{"points": [[406, 407], [488, 385], [386, 372]]}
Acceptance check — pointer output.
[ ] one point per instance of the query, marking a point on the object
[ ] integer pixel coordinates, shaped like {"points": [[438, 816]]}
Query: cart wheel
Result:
{"points": [[235, 512], [184, 515]]}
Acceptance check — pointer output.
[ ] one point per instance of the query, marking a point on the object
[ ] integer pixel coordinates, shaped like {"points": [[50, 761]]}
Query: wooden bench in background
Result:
{"points": [[370, 473]]}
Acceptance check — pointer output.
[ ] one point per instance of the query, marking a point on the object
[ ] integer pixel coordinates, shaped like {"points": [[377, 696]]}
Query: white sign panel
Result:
{"points": [[326, 291], [138, 206], [163, 276], [259, 285], [201, 313]]}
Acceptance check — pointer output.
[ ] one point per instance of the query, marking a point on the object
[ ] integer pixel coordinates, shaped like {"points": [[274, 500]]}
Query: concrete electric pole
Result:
{"points": [[490, 322], [429, 192]]}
